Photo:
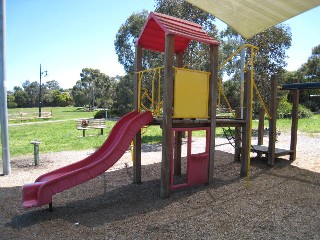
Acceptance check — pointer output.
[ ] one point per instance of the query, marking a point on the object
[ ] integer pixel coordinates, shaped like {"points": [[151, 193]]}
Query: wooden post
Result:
{"points": [[237, 138], [273, 120], [36, 145], [246, 130], [167, 117], [213, 97], [294, 124], [178, 134], [137, 138], [262, 113]]}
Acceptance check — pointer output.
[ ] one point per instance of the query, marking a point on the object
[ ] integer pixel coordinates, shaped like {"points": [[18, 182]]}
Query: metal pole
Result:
{"points": [[242, 63], [40, 93], [3, 94]]}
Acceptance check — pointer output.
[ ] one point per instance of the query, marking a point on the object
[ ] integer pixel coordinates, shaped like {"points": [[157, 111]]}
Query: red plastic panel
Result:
{"points": [[198, 169]]}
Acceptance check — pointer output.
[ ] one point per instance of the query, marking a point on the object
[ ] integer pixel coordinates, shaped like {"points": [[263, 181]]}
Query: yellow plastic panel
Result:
{"points": [[191, 94]]}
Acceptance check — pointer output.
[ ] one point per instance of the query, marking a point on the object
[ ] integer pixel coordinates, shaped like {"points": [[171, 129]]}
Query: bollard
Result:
{"points": [[36, 152]]}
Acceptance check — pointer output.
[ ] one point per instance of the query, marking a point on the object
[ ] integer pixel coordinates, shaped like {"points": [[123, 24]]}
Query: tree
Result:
{"points": [[310, 71], [31, 89], [53, 85], [196, 54], [11, 103], [93, 89], [123, 99], [270, 59], [79, 94], [126, 37]]}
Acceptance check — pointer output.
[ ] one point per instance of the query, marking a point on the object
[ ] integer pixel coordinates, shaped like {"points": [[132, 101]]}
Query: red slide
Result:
{"points": [[41, 191]]}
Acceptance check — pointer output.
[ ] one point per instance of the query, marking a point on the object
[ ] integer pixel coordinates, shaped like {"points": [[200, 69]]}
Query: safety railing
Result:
{"points": [[150, 90], [150, 86], [249, 66]]}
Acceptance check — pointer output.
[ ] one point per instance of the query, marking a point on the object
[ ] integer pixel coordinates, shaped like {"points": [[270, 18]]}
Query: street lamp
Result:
{"points": [[40, 99]]}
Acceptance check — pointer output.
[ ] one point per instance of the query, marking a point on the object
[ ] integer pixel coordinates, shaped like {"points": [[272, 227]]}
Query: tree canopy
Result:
{"points": [[94, 89]]}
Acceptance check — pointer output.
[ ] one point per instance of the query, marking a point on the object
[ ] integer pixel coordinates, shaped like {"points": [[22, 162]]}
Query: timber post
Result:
{"points": [[246, 130], [213, 97], [273, 120], [167, 117], [137, 138], [262, 113], [294, 123]]}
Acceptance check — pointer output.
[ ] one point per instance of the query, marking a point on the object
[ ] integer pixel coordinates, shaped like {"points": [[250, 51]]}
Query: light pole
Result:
{"points": [[40, 97]]}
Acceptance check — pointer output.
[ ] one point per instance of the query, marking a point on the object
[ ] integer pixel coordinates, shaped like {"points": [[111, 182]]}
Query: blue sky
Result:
{"points": [[68, 35]]}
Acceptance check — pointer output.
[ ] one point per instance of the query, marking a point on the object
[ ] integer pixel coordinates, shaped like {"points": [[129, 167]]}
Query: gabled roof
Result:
{"points": [[250, 17], [159, 25]]}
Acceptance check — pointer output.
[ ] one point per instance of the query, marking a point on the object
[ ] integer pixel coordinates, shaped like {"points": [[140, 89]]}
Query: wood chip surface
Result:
{"points": [[282, 202]]}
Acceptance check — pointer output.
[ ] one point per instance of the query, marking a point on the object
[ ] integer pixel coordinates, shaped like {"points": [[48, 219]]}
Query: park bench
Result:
{"points": [[91, 123]]}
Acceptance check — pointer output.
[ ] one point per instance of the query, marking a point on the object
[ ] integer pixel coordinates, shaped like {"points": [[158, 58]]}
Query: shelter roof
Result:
{"points": [[159, 25], [250, 17]]}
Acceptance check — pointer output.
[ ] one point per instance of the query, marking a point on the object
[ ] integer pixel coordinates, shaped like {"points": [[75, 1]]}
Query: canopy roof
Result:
{"points": [[159, 25], [250, 17]]}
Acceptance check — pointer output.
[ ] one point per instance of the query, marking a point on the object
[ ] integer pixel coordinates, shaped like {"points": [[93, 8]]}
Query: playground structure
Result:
{"points": [[189, 99], [186, 101], [271, 151]]}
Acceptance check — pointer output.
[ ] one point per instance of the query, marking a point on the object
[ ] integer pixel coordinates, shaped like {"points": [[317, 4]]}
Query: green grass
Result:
{"points": [[306, 125], [58, 113], [63, 135], [54, 137]]}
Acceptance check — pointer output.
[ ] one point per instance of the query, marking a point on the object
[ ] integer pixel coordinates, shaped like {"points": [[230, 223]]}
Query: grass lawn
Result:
{"points": [[58, 113], [63, 135]]}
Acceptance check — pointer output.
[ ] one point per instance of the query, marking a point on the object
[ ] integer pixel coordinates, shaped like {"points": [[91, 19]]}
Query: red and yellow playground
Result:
{"points": [[180, 100]]}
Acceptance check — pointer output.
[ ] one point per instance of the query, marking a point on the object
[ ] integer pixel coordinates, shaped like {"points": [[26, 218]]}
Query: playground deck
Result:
{"points": [[264, 150], [221, 122]]}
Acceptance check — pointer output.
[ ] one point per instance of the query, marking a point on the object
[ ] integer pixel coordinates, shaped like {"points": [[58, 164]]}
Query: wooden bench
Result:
{"points": [[90, 123]]}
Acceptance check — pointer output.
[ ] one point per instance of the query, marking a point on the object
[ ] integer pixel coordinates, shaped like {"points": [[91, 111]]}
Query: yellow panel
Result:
{"points": [[191, 94]]}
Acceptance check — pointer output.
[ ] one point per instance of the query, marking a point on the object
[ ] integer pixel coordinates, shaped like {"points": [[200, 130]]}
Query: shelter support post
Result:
{"points": [[294, 123], [213, 97], [246, 130], [167, 117], [273, 120], [137, 138]]}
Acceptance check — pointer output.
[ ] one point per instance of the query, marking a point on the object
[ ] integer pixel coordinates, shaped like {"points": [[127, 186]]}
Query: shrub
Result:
{"points": [[304, 112], [313, 106], [100, 114], [285, 108]]}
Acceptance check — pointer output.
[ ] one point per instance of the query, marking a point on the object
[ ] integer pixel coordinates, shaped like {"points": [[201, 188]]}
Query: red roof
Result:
{"points": [[159, 25]]}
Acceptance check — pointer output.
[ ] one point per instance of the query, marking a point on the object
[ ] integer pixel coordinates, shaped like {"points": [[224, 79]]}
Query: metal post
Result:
{"points": [[40, 90], [3, 94], [242, 64], [40, 103]]}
